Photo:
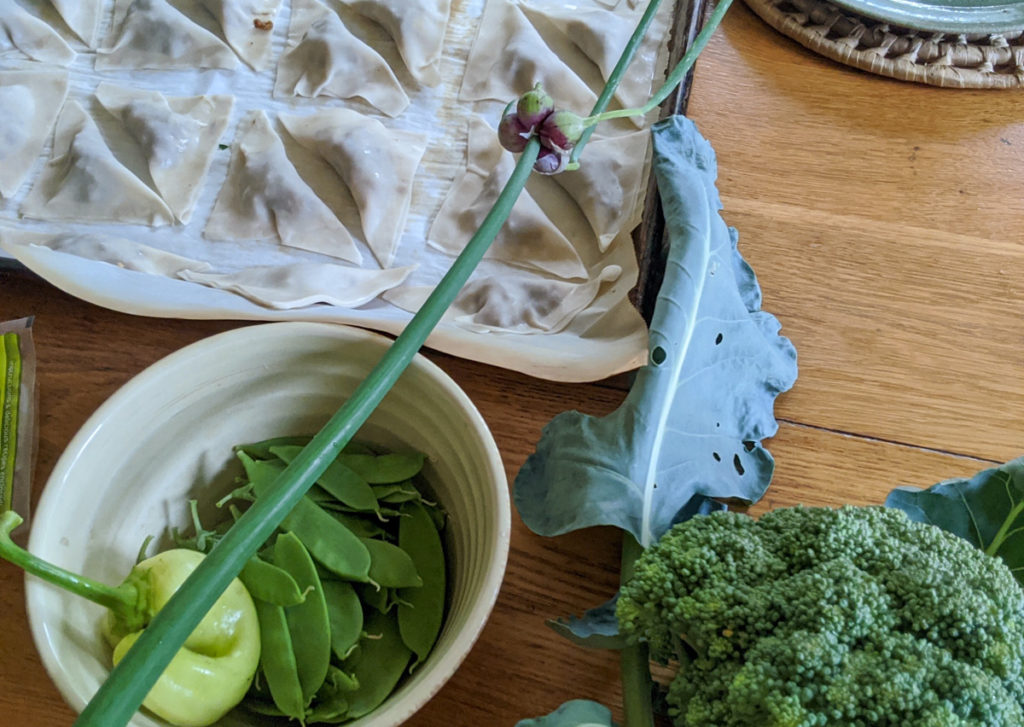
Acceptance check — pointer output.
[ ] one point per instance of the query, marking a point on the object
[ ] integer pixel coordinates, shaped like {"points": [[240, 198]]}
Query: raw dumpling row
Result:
{"points": [[571, 50], [323, 58], [600, 198], [265, 198]]}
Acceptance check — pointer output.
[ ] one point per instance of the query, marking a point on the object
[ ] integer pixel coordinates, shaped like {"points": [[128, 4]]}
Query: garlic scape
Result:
{"points": [[211, 673]]}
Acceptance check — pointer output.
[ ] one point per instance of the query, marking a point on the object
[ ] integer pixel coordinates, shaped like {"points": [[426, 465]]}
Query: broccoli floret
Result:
{"points": [[854, 616]]}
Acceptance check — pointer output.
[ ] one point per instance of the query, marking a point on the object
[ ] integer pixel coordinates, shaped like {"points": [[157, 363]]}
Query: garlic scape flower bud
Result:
{"points": [[534, 106], [559, 131]]}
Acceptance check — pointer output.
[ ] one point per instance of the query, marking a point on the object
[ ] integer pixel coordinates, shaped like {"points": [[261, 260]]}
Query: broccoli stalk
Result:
{"points": [[634, 664]]}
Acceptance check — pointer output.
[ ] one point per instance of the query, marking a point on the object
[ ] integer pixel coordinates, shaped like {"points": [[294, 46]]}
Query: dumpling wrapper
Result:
{"points": [[264, 197], [512, 302], [509, 56], [154, 34], [82, 16], [248, 26], [325, 59], [608, 185], [601, 35], [84, 182], [123, 253], [177, 135], [377, 165], [418, 28], [30, 101], [527, 239], [304, 284], [20, 31]]}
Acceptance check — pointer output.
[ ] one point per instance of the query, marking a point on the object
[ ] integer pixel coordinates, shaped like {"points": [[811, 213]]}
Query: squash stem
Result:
{"points": [[123, 600]]}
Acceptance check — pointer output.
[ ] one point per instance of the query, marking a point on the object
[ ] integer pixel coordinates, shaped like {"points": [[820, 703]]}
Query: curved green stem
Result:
{"points": [[674, 78], [634, 664], [123, 600], [121, 694], [616, 77]]}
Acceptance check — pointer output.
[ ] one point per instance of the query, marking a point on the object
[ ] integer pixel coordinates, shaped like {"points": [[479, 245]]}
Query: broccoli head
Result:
{"points": [[854, 616]]}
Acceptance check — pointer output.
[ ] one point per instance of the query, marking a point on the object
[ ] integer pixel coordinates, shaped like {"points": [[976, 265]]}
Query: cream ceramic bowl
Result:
{"points": [[167, 435]]}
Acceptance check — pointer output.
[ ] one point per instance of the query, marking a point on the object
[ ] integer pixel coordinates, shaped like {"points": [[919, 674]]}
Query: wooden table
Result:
{"points": [[886, 225]]}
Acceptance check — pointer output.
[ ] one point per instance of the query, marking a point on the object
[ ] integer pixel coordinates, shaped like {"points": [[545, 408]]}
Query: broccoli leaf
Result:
{"points": [[987, 510], [575, 713], [693, 420], [597, 628]]}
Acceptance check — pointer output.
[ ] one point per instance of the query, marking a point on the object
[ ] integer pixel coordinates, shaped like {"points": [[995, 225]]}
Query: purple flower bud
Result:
{"points": [[561, 130], [549, 161], [512, 133], [534, 106]]}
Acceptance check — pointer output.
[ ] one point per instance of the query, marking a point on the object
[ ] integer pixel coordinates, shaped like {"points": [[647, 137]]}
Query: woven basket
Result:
{"points": [[938, 59]]}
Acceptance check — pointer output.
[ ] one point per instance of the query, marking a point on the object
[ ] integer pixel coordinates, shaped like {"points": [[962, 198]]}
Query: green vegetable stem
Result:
{"points": [[214, 668], [121, 694]]}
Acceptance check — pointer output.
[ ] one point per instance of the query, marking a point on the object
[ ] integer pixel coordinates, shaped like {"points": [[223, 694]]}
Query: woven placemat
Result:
{"points": [[938, 59]]}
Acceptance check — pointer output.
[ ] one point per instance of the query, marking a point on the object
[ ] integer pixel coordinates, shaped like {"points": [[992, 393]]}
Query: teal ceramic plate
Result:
{"points": [[949, 16]]}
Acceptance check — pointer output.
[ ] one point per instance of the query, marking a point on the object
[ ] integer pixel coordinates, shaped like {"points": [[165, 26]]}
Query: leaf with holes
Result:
{"points": [[693, 420], [987, 510]]}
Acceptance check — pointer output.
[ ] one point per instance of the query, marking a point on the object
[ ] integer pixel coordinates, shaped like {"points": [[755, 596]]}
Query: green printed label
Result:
{"points": [[10, 393]]}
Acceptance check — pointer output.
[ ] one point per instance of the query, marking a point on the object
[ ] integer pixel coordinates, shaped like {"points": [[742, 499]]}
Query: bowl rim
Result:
{"points": [[58, 481]]}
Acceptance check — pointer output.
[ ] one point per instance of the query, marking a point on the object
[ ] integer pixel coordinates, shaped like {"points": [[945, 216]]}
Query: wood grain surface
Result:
{"points": [[886, 225]]}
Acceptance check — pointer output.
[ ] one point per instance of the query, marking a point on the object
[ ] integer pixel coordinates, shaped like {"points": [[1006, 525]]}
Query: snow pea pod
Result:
{"points": [[345, 613], [269, 583], [261, 450], [397, 493], [267, 709], [421, 614], [390, 565], [373, 597], [361, 526], [331, 703], [377, 664], [277, 661], [308, 623], [331, 543], [384, 469], [340, 481]]}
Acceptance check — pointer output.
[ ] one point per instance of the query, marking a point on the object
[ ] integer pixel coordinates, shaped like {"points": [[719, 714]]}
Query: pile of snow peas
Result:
{"points": [[350, 592]]}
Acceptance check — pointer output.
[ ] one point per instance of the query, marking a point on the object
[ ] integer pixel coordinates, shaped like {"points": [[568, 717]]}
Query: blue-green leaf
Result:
{"points": [[597, 628], [575, 713], [693, 420], [987, 510]]}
